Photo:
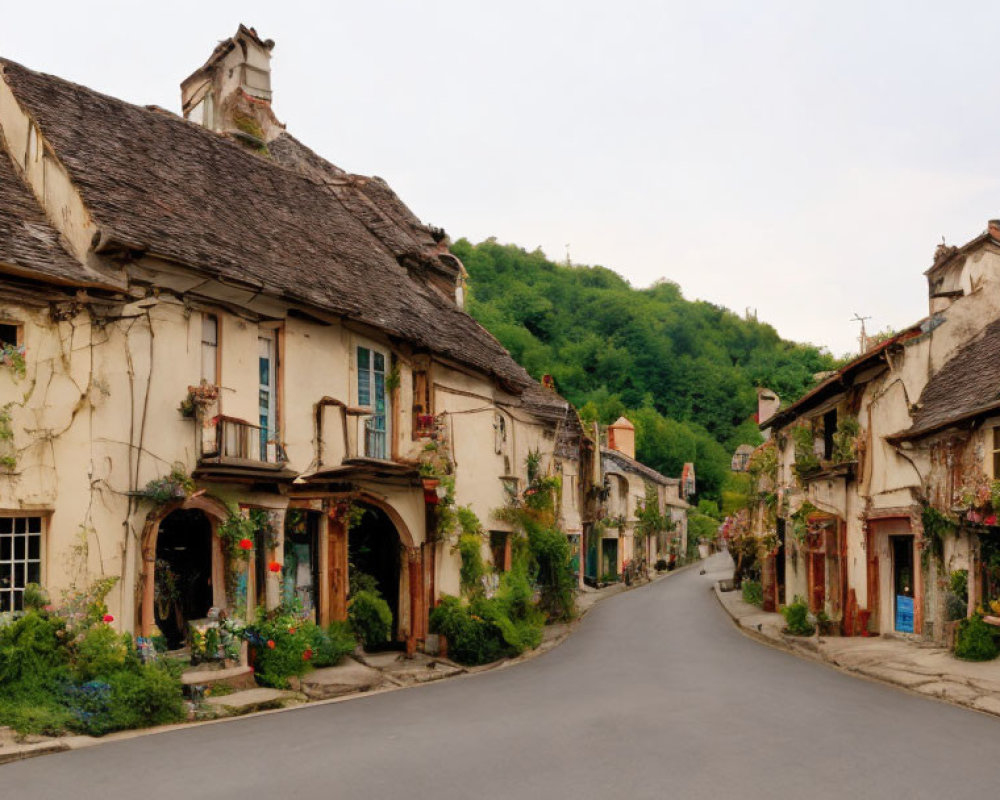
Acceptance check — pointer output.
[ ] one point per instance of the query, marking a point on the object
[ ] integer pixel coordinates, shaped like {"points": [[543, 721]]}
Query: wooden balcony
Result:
{"points": [[232, 447]]}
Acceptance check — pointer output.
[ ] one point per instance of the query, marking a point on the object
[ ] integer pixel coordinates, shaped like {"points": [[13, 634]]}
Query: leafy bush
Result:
{"points": [[975, 640], [282, 647], [753, 593], [958, 582], [370, 618], [796, 616], [661, 565], [473, 567], [329, 646], [488, 629], [79, 675]]}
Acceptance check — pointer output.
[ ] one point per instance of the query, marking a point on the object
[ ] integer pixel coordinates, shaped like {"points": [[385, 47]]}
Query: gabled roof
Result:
{"points": [[637, 467], [29, 245], [841, 380], [967, 385], [159, 185]]}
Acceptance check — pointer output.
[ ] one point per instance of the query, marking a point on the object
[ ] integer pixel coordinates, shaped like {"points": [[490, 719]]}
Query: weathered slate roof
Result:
{"points": [[549, 407], [637, 467], [29, 245], [966, 386], [157, 184]]}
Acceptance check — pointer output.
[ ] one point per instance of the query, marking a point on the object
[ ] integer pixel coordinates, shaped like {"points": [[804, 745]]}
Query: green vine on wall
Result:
{"points": [[937, 527], [8, 461]]}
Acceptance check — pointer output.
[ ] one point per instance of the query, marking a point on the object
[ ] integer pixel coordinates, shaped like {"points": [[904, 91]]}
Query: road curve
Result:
{"points": [[657, 695]]}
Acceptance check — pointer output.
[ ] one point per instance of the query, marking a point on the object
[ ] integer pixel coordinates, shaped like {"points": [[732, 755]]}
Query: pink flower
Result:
{"points": [[108, 618]]}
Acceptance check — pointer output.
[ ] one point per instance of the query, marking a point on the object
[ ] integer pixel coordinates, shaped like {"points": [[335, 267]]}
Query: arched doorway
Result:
{"points": [[376, 551], [183, 573]]}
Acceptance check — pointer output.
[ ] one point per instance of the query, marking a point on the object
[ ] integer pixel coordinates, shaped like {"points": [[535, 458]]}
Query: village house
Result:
{"points": [[629, 487], [208, 329], [878, 483]]}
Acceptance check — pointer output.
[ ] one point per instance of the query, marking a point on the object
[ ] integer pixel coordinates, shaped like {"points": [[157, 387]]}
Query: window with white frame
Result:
{"points": [[20, 559]]}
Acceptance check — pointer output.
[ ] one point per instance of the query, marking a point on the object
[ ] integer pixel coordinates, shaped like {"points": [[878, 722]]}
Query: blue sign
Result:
{"points": [[904, 614]]}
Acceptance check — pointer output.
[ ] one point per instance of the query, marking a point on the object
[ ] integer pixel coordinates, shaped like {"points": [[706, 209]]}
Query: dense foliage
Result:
{"points": [[685, 372], [370, 618], [66, 669], [975, 640]]}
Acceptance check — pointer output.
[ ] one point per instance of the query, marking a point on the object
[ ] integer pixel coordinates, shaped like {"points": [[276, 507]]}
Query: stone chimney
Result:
{"points": [[231, 92], [768, 404], [621, 437]]}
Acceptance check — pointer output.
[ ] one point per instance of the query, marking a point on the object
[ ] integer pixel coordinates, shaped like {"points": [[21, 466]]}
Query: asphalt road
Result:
{"points": [[657, 695]]}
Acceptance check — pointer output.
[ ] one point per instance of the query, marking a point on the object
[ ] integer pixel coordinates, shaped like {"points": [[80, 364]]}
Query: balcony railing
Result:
{"points": [[234, 441], [375, 440]]}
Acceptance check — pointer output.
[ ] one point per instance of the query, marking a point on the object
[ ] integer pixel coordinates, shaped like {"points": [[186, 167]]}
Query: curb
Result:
{"points": [[812, 652], [82, 742]]}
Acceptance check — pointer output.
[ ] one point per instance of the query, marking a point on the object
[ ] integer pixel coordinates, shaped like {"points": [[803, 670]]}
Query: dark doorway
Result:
{"points": [[183, 590], [902, 581], [609, 560], [374, 550]]}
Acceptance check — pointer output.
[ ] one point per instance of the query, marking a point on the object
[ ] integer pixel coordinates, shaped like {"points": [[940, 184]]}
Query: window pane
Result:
{"points": [[209, 362], [6, 576], [34, 572], [6, 524], [8, 334], [5, 602], [209, 329], [19, 548], [34, 524], [379, 362], [6, 548], [265, 371], [364, 388], [364, 358]]}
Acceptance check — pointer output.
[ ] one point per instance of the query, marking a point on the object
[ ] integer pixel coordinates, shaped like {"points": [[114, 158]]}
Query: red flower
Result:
{"points": [[291, 631], [108, 618], [270, 644], [307, 654], [991, 520], [274, 566], [246, 544]]}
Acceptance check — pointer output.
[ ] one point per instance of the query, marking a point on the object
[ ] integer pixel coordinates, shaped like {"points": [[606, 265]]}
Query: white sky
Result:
{"points": [[799, 158]]}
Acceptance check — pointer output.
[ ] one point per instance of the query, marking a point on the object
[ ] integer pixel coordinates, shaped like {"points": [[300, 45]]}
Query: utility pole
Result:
{"points": [[863, 338]]}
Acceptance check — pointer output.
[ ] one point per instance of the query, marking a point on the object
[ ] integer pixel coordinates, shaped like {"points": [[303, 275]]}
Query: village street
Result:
{"points": [[656, 695]]}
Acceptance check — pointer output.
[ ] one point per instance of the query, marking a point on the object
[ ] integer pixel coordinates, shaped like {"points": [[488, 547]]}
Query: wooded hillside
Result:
{"points": [[683, 371]]}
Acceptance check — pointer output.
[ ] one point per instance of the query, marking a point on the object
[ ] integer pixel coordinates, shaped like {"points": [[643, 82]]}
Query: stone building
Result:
{"points": [[203, 321], [883, 473]]}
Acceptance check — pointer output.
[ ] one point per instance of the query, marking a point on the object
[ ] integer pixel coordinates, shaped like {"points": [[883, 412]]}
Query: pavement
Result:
{"points": [[356, 675], [908, 663], [656, 694]]}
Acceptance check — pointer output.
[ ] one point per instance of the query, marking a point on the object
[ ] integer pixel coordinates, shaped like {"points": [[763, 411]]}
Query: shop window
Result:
{"points": [[20, 559]]}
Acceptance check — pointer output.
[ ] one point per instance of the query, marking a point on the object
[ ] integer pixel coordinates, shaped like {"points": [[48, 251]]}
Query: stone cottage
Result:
{"points": [[205, 322]]}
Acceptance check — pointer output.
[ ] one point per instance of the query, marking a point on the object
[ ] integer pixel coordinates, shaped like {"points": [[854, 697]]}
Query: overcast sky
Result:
{"points": [[801, 159]]}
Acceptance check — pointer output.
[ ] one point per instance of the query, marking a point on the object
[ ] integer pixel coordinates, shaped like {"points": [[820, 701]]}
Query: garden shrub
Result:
{"points": [[661, 565], [80, 676], [472, 567], [282, 647], [796, 616], [330, 645], [975, 640], [371, 618], [753, 592]]}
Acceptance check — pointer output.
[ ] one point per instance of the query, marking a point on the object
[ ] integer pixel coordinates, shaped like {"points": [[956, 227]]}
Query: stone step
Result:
{"points": [[345, 678], [204, 676], [249, 700]]}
